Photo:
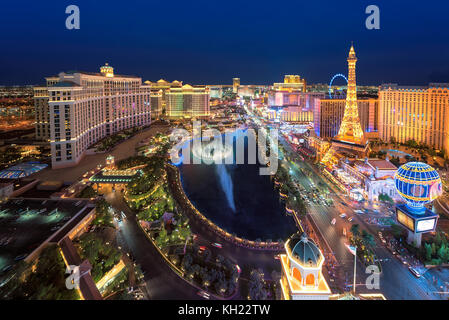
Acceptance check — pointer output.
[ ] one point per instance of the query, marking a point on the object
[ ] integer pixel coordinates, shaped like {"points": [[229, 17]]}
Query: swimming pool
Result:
{"points": [[396, 153]]}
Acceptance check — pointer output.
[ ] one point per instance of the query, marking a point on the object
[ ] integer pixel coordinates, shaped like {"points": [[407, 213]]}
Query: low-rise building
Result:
{"points": [[302, 277], [6, 190], [368, 178]]}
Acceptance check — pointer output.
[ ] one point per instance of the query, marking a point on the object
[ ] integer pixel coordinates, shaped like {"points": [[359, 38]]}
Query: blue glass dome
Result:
{"points": [[418, 184]]}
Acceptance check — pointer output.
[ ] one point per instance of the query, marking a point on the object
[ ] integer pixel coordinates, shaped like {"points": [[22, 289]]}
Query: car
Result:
{"points": [[343, 215], [238, 268], [344, 232], [333, 221], [217, 245], [350, 219], [6, 268], [20, 257], [202, 248], [414, 272], [203, 294]]}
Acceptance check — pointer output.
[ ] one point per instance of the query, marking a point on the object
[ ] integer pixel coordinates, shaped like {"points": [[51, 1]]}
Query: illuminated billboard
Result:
{"points": [[416, 223], [425, 225], [405, 220]]}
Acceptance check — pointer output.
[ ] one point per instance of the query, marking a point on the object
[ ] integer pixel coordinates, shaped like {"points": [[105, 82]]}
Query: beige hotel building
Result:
{"points": [[188, 102], [158, 96], [77, 109], [418, 113]]}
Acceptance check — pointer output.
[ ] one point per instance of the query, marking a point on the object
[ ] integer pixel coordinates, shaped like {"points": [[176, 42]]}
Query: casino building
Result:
{"points": [[328, 115], [188, 102], [302, 278], [289, 102], [365, 179], [418, 113], [159, 90], [77, 109]]}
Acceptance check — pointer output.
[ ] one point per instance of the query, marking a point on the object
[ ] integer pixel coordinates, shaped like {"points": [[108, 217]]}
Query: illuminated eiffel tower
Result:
{"points": [[350, 140]]}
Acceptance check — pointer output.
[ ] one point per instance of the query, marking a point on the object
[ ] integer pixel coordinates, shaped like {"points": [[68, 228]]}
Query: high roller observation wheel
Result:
{"points": [[338, 75]]}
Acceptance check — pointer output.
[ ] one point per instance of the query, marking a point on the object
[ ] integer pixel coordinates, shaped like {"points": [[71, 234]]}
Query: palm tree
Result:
{"points": [[368, 239], [355, 230]]}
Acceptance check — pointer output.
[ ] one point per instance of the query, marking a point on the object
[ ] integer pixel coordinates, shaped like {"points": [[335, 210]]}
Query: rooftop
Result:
{"points": [[26, 223], [22, 170], [305, 251]]}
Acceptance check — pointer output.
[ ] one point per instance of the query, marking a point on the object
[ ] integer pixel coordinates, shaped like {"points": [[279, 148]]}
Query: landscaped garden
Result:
{"points": [[148, 193], [42, 280], [434, 250], [87, 193], [411, 150], [103, 214], [289, 192], [111, 141], [364, 242], [216, 274], [101, 255], [165, 224]]}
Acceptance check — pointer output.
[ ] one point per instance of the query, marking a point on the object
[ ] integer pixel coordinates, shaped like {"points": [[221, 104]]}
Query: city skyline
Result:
{"points": [[211, 45], [231, 151]]}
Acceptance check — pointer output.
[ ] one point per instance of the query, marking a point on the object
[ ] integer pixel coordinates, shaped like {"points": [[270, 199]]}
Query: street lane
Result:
{"points": [[162, 282], [396, 281]]}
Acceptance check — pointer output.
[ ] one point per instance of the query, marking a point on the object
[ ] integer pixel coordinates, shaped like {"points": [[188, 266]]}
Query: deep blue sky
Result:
{"points": [[211, 41]]}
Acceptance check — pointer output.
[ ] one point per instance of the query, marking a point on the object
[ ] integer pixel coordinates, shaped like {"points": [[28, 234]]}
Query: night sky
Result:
{"points": [[212, 41]]}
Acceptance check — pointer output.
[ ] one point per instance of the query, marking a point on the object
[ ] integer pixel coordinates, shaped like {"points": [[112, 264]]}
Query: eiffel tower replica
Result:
{"points": [[350, 142]]}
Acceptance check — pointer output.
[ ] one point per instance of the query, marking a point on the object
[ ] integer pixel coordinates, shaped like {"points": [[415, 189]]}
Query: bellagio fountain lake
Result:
{"points": [[236, 198]]}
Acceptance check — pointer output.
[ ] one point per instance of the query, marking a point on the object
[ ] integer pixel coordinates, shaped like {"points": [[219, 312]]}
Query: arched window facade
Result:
{"points": [[310, 280], [297, 275]]}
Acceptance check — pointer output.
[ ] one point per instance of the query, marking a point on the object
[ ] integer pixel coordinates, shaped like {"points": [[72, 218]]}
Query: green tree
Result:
{"points": [[87, 192], [103, 215], [355, 230], [443, 253], [368, 239], [397, 231], [385, 198], [428, 251], [256, 286], [47, 282]]}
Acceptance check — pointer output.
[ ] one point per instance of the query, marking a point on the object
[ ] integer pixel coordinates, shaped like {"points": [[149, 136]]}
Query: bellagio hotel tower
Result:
{"points": [[77, 109]]}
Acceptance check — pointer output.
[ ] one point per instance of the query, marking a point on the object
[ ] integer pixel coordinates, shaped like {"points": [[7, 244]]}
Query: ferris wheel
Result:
{"points": [[338, 75]]}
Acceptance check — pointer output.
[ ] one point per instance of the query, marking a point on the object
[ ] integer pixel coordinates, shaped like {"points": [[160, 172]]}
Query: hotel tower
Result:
{"points": [[78, 109], [415, 113]]}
